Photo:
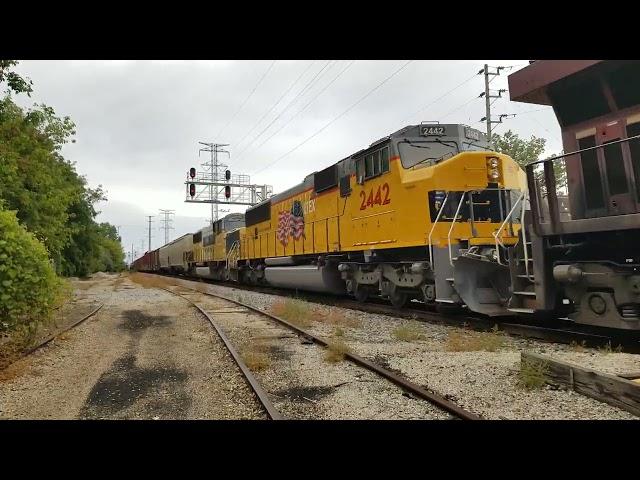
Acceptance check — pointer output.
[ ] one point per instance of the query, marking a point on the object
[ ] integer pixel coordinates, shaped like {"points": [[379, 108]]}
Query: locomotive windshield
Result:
{"points": [[425, 152]]}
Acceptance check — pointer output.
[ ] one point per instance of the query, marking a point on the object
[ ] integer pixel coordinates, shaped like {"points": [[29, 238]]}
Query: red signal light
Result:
{"points": [[192, 190], [227, 191], [192, 172]]}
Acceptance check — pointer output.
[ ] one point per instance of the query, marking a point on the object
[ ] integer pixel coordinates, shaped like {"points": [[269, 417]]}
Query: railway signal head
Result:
{"points": [[192, 172], [227, 174], [192, 190], [227, 191]]}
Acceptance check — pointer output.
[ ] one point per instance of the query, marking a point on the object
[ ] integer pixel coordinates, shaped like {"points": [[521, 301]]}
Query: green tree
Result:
{"points": [[36, 181], [14, 81], [522, 151], [49, 197], [28, 284], [527, 151]]}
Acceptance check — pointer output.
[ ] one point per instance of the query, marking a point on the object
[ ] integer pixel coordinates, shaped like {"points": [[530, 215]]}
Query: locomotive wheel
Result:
{"points": [[398, 299], [361, 294]]}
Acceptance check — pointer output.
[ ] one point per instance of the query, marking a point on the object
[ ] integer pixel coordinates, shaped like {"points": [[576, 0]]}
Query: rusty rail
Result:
{"points": [[48, 339], [262, 395], [402, 382]]}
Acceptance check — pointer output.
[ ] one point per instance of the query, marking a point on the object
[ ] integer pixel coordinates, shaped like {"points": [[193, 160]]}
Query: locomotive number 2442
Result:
{"points": [[381, 197]]}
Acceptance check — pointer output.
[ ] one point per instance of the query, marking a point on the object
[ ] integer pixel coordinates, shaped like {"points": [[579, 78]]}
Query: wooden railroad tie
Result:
{"points": [[614, 390]]}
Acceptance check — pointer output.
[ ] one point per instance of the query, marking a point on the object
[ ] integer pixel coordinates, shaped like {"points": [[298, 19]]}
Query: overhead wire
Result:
{"points": [[308, 104], [309, 84], [276, 103], [351, 107], [247, 99], [439, 98]]}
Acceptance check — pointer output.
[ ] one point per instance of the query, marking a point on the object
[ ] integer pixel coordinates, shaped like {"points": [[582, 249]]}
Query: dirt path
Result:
{"points": [[143, 356]]}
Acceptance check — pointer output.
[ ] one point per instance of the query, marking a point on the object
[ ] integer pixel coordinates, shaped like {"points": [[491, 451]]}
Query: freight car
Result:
{"points": [[583, 264], [175, 257]]}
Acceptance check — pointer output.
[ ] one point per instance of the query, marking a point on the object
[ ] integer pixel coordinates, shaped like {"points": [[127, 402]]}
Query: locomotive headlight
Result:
{"points": [[493, 168]]}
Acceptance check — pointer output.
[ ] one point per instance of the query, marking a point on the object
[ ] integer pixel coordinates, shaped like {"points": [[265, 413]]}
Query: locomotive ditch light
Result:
{"points": [[227, 191], [192, 172], [192, 190]]}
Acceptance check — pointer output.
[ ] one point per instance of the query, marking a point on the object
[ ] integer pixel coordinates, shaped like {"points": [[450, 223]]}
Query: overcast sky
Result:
{"points": [[139, 122]]}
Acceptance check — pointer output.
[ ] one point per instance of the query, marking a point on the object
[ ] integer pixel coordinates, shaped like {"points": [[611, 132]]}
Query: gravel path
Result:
{"points": [[484, 382], [143, 356]]}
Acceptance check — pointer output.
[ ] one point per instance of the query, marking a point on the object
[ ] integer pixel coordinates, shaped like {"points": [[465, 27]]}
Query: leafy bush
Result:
{"points": [[29, 288]]}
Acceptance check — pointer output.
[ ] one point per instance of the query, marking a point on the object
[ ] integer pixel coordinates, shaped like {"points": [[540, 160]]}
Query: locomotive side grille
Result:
{"points": [[631, 312]]}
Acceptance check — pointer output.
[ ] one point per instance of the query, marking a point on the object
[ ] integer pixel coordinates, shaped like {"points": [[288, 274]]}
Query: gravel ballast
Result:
{"points": [[143, 356], [484, 382]]}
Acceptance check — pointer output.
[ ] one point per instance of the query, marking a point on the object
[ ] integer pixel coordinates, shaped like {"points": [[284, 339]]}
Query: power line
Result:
{"points": [[307, 105], [438, 99], [248, 97], [275, 104], [339, 116], [458, 108], [300, 93], [532, 118]]}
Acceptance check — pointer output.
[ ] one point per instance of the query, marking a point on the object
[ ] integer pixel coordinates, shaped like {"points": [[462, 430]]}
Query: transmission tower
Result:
{"points": [[149, 217], [167, 223]]}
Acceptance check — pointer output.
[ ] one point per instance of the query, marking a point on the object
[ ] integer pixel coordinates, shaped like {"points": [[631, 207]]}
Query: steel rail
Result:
{"points": [[565, 334], [253, 382], [402, 382], [48, 339]]}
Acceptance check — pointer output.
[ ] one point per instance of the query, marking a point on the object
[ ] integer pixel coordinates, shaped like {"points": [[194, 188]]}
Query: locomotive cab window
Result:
{"points": [[373, 164]]}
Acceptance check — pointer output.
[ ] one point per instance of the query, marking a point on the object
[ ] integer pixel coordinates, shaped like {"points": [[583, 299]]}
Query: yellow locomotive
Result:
{"points": [[427, 212]]}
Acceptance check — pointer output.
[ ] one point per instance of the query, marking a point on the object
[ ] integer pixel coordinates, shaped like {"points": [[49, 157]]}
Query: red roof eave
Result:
{"points": [[529, 84]]}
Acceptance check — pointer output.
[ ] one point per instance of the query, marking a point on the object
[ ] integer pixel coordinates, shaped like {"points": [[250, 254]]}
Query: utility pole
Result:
{"points": [[487, 98], [488, 77], [166, 223], [150, 217]]}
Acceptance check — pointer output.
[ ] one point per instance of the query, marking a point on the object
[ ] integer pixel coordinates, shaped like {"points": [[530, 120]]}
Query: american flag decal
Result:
{"points": [[290, 224]]}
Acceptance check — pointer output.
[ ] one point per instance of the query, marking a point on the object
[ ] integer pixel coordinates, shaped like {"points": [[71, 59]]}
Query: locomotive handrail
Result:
{"points": [[496, 235], [433, 227], [235, 248], [453, 224], [523, 229], [550, 184], [551, 159]]}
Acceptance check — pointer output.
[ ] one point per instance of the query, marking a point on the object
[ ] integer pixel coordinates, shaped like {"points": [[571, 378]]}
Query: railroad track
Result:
{"points": [[48, 339], [260, 393], [405, 384], [562, 331]]}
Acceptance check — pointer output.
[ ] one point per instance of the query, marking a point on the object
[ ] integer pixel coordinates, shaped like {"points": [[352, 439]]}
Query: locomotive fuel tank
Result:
{"points": [[324, 279]]}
